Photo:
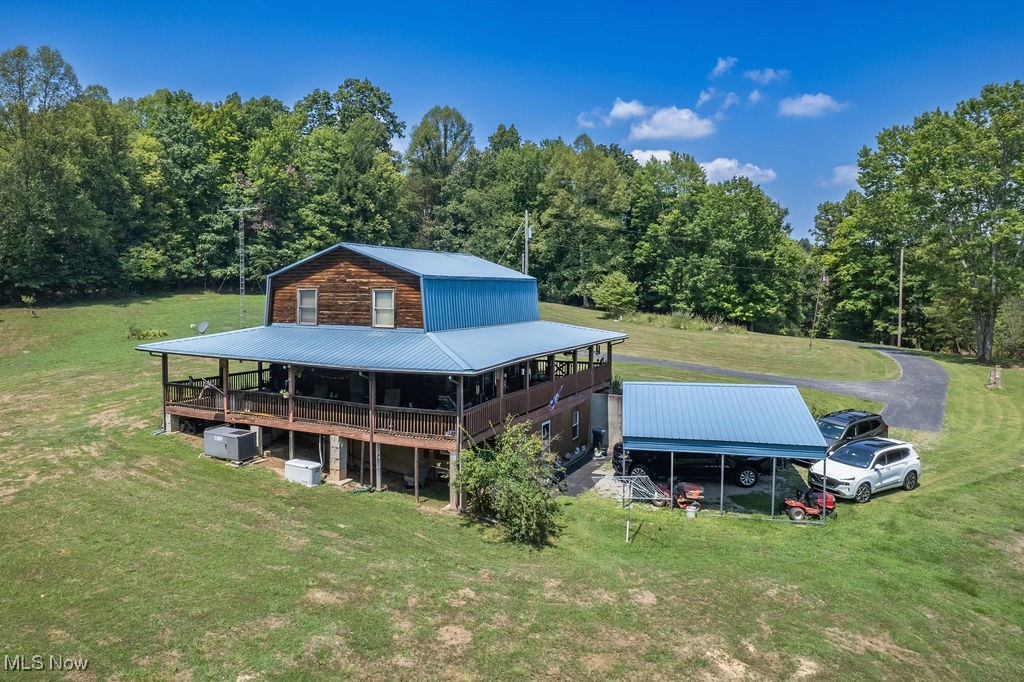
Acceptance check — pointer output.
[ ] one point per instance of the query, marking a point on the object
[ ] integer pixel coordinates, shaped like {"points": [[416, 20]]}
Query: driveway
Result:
{"points": [[916, 401]]}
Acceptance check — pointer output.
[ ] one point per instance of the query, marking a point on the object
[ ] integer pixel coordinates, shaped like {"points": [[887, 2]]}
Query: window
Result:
{"points": [[575, 424], [383, 307], [545, 431], [306, 307]]}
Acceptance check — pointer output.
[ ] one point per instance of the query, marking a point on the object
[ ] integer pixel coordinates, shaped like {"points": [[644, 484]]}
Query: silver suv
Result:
{"points": [[860, 469]]}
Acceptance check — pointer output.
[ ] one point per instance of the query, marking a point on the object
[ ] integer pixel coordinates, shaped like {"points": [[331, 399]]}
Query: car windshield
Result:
{"points": [[831, 429], [855, 454]]}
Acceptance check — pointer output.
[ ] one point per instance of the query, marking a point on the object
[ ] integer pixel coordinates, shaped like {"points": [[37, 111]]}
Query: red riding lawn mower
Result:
{"points": [[687, 495], [807, 503]]}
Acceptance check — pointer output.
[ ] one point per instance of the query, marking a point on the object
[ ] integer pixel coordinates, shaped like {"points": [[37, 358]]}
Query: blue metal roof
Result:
{"points": [[462, 351], [459, 303], [425, 263], [760, 420]]}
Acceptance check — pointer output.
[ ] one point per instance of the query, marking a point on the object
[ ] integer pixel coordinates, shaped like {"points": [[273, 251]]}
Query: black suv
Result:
{"points": [[745, 471], [846, 425]]}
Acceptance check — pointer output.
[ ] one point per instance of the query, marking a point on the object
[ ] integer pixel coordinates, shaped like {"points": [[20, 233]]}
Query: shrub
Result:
{"points": [[616, 294], [511, 480], [146, 334]]}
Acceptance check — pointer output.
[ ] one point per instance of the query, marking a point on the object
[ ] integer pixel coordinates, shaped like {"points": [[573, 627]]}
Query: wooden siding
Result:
{"points": [[345, 282]]}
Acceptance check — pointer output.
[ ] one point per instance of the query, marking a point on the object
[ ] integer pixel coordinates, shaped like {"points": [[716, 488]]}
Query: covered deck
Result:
{"points": [[417, 410]]}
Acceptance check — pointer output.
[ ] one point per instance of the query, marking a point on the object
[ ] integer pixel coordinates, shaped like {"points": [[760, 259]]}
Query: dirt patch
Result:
{"points": [[603, 597], [643, 597], [317, 595], [1013, 545], [600, 663], [454, 636], [805, 668], [463, 596], [859, 644]]}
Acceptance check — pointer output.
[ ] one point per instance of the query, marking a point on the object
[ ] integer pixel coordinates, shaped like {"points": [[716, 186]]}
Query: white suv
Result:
{"points": [[861, 468]]}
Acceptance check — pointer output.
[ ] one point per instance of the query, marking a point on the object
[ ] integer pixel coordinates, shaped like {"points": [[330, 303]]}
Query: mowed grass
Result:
{"points": [[130, 550], [782, 355]]}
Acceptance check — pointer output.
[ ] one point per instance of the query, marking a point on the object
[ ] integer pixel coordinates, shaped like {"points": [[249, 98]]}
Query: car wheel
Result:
{"points": [[747, 477], [639, 470], [797, 513], [863, 493], [910, 480]]}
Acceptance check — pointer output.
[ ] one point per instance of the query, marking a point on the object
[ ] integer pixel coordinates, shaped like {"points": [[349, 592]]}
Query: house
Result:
{"points": [[396, 355]]}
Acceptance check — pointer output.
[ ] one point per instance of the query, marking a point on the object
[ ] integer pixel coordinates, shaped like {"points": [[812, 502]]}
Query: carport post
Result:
{"points": [[824, 492], [772, 513], [671, 479], [721, 492]]}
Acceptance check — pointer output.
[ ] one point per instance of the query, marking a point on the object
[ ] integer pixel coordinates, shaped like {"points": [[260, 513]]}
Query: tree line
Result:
{"points": [[99, 197]]}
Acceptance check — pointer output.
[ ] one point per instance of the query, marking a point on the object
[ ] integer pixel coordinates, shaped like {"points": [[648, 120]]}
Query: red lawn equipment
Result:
{"points": [[807, 503]]}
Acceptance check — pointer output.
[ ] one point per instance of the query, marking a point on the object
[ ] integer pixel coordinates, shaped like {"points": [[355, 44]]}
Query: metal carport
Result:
{"points": [[747, 420]]}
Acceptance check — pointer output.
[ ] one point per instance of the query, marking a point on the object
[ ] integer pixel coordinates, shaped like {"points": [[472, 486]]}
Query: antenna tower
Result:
{"points": [[241, 211]]}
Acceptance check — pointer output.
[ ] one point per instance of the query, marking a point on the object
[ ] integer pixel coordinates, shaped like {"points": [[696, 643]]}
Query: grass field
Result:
{"points": [[130, 550], [782, 355]]}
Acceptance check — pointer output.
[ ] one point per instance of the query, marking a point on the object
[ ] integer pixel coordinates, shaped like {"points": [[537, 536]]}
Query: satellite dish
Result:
{"points": [[203, 326]]}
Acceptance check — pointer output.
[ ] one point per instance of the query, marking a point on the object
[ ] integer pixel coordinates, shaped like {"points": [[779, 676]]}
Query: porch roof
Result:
{"points": [[457, 351]]}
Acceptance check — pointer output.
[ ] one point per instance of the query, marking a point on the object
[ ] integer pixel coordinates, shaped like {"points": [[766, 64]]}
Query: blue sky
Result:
{"points": [[786, 93]]}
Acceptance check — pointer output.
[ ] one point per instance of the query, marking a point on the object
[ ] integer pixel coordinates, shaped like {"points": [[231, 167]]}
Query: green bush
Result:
{"points": [[511, 481], [146, 334]]}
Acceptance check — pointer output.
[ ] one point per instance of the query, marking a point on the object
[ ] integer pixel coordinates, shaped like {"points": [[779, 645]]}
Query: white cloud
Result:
{"points": [[722, 66], [754, 97], [672, 122], [842, 176], [620, 111], [766, 76], [725, 169], [705, 96], [588, 119], [730, 99], [809, 106], [623, 110], [644, 155]]}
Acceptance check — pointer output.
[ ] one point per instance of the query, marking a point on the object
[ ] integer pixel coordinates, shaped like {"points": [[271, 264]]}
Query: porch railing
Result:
{"points": [[409, 421], [319, 410], [245, 398]]}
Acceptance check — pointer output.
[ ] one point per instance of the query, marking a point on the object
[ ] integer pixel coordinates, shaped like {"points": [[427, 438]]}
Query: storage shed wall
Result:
{"points": [[345, 282]]}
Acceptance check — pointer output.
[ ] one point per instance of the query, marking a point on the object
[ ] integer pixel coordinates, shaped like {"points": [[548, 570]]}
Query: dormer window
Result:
{"points": [[306, 306], [384, 308]]}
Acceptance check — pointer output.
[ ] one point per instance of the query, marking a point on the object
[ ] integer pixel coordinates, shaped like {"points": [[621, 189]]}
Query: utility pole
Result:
{"points": [[817, 304], [241, 211], [526, 243], [899, 313]]}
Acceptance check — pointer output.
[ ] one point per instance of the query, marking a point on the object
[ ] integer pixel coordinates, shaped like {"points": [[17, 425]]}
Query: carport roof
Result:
{"points": [[753, 420]]}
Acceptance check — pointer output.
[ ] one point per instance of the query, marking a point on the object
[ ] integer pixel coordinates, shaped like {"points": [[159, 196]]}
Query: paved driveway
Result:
{"points": [[917, 400]]}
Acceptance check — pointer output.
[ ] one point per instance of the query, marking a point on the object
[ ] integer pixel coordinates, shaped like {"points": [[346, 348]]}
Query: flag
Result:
{"points": [[554, 400]]}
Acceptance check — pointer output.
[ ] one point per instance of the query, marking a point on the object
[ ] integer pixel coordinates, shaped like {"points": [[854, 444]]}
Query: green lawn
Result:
{"points": [[154, 563], [782, 355]]}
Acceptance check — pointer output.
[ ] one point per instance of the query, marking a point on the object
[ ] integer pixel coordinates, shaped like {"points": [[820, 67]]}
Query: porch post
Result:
{"points": [[373, 424], [590, 363], [458, 438], [291, 410], [551, 367], [416, 473], [163, 390], [501, 393], [336, 474], [224, 386], [575, 359], [453, 502]]}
